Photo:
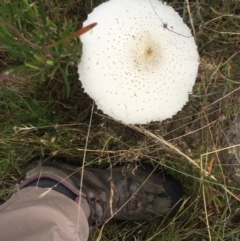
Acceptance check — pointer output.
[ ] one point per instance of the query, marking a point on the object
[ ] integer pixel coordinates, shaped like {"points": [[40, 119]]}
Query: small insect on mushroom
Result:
{"points": [[165, 25]]}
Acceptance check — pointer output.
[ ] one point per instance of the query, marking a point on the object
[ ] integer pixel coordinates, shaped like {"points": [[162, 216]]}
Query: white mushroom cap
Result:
{"points": [[140, 62]]}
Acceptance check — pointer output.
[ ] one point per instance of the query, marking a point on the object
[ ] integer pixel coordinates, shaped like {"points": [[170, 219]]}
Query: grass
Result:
{"points": [[44, 111]]}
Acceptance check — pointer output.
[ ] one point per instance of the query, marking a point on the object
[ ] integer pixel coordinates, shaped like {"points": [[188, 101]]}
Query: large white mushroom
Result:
{"points": [[140, 62]]}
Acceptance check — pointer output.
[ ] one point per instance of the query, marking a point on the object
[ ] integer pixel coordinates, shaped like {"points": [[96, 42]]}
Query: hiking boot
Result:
{"points": [[130, 192]]}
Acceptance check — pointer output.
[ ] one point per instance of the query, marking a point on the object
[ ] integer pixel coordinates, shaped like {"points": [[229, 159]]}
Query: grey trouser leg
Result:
{"points": [[39, 214]]}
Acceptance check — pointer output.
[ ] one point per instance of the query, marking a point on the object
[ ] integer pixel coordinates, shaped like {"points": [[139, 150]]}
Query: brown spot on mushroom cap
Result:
{"points": [[130, 53], [148, 52]]}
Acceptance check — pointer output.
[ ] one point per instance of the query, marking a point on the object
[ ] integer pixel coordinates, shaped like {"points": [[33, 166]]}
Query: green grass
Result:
{"points": [[44, 111]]}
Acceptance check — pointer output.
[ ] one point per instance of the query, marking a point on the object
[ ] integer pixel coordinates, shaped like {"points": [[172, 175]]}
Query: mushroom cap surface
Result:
{"points": [[140, 62]]}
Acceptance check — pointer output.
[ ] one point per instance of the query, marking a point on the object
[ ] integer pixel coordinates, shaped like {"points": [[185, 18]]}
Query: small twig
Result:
{"points": [[165, 25], [73, 35]]}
